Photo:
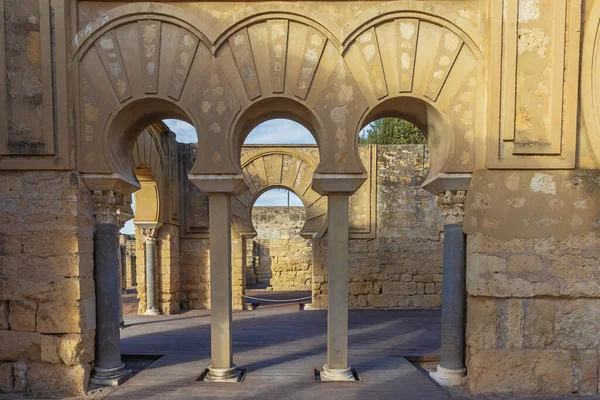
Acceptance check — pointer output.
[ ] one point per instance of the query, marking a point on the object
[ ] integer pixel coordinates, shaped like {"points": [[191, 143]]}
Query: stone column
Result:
{"points": [[451, 371], [108, 368], [222, 367], [337, 368], [151, 294]]}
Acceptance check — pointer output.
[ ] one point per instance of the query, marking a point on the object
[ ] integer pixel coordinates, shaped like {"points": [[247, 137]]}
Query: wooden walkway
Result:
{"points": [[281, 346]]}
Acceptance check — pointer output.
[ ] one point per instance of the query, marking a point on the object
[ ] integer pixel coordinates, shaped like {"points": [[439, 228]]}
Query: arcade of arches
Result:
{"points": [[514, 153]]}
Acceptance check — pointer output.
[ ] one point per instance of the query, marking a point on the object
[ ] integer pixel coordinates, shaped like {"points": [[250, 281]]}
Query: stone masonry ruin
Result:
{"points": [[506, 92]]}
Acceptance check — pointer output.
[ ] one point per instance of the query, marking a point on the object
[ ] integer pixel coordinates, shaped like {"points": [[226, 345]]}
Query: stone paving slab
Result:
{"points": [[281, 346]]}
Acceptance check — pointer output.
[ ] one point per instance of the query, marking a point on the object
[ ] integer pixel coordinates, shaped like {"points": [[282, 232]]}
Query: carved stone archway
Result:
{"points": [[280, 167]]}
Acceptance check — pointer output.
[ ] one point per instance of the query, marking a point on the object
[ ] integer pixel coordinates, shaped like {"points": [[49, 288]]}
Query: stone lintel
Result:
{"points": [[442, 182], [337, 183], [233, 184]]}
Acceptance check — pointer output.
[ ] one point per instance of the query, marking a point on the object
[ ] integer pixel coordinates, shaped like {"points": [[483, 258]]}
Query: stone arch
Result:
{"points": [[128, 79], [268, 168], [148, 162], [226, 80], [423, 68], [298, 71]]}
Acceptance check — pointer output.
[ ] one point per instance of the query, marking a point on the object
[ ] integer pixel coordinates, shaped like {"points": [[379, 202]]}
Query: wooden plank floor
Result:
{"points": [[281, 346]]}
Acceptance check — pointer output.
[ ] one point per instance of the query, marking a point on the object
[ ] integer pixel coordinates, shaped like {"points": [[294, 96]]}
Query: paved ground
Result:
{"points": [[281, 346]]}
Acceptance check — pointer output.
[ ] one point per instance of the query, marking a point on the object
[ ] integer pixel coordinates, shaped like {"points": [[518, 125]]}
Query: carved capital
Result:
{"points": [[106, 206], [150, 234], [452, 206]]}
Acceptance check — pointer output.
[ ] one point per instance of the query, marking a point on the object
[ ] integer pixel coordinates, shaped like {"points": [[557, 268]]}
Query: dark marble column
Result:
{"points": [[451, 371], [108, 368]]}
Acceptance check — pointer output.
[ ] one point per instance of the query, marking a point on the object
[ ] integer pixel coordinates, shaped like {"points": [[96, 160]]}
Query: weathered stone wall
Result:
{"points": [[47, 303], [168, 269], [130, 263], [402, 266], [533, 281], [168, 273], [195, 272], [279, 256]]}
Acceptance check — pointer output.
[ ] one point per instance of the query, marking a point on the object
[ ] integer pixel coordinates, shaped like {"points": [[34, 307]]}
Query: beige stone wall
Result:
{"points": [[168, 269], [279, 256], [238, 266], [402, 266], [195, 273], [130, 263], [47, 304], [533, 282]]}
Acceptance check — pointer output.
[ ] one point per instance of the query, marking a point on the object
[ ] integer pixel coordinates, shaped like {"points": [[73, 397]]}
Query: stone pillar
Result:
{"points": [[337, 368], [451, 371], [108, 368], [151, 294], [222, 367]]}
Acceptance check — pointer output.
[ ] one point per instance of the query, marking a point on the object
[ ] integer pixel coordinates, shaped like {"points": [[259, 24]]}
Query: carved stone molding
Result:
{"points": [[106, 206], [452, 206]]}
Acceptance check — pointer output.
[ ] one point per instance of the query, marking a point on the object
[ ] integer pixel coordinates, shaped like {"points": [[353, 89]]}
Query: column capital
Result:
{"points": [[452, 205], [150, 234], [106, 206]]}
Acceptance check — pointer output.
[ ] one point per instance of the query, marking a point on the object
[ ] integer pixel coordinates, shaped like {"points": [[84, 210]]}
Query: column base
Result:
{"points": [[110, 376], [152, 311], [449, 377], [334, 374], [222, 374]]}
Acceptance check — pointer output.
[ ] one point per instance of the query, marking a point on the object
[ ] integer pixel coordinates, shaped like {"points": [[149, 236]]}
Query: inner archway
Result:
{"points": [[281, 259]]}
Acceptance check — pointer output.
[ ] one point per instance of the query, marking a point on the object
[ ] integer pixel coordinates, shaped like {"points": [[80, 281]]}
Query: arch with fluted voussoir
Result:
{"points": [[126, 76], [420, 65], [274, 60], [272, 168]]}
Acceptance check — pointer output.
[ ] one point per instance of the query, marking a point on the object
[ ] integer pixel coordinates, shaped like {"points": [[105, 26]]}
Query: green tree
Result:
{"points": [[392, 131]]}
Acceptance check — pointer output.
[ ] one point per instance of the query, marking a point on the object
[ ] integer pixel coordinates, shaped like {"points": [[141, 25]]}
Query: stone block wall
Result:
{"points": [[129, 261], [533, 282], [238, 266], [168, 268], [279, 256], [195, 273], [402, 266], [47, 303], [168, 273]]}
